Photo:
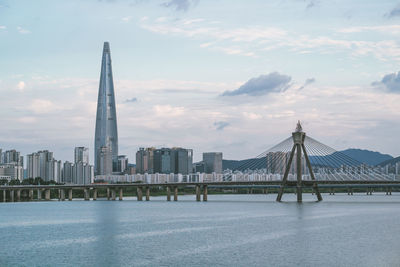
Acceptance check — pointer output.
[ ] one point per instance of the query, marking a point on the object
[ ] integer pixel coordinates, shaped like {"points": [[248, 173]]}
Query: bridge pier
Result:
{"points": [[39, 194], [4, 195], [86, 194], [30, 194], [120, 193], [168, 193], [62, 194], [108, 193], [18, 195], [70, 194], [205, 192], [113, 194], [197, 192], [11, 195], [139, 194], [95, 194], [390, 191], [47, 194], [175, 193], [147, 193]]}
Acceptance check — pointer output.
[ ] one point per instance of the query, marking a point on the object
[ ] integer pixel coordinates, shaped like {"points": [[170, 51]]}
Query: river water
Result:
{"points": [[228, 230]]}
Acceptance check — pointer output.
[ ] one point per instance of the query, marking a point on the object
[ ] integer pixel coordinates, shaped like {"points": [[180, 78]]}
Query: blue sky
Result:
{"points": [[230, 76]]}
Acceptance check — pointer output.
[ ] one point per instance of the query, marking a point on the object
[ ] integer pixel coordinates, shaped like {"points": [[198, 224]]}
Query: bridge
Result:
{"points": [[298, 163]]}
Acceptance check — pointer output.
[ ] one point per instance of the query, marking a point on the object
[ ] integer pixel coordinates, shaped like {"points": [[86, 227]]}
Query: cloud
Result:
{"points": [[307, 82], [395, 12], [168, 111], [21, 86], [3, 27], [127, 19], [263, 84], [390, 82], [42, 106], [131, 100], [180, 5], [22, 30], [220, 125], [312, 4]]}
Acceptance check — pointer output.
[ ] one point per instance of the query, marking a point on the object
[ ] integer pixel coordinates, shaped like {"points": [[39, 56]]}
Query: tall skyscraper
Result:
{"points": [[106, 135]]}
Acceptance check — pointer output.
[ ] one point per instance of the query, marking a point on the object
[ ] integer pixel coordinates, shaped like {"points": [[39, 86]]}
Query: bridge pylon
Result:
{"points": [[298, 146]]}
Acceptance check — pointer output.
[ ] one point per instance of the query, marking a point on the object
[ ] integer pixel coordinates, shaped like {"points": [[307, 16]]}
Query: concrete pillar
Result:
{"points": [[62, 194], [47, 194], [197, 193], [121, 193], [4, 195], [140, 194], [147, 193], [390, 191], [39, 194], [30, 194], [168, 193], [348, 191], [113, 194], [108, 193], [86, 193], [205, 192], [351, 191], [175, 193], [18, 195], [333, 191], [11, 195], [70, 194], [94, 193]]}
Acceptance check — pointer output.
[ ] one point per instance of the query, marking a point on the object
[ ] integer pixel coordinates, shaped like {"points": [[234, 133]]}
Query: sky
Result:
{"points": [[223, 75]]}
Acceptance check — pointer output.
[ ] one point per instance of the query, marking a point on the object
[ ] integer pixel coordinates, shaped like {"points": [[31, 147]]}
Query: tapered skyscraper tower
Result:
{"points": [[106, 135]]}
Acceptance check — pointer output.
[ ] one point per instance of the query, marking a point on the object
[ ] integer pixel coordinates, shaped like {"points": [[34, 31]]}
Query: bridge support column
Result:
{"points": [[95, 194], [147, 193], [62, 194], [333, 191], [205, 192], [175, 193], [30, 194], [70, 194], [86, 194], [4, 195], [139, 194], [168, 193], [113, 193], [39, 194], [18, 195], [47, 194], [11, 195], [108, 193], [390, 191], [351, 191], [120, 194], [198, 193]]}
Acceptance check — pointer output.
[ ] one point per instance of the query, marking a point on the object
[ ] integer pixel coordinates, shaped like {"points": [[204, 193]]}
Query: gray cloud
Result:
{"points": [[395, 12], [391, 82], [131, 100], [307, 82], [220, 125], [312, 4], [180, 5], [263, 84]]}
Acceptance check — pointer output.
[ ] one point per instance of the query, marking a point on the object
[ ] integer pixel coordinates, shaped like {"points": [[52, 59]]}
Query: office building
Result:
{"points": [[212, 162]]}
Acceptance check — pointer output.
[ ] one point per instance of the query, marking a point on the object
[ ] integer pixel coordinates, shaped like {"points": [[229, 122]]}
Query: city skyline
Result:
{"points": [[218, 85]]}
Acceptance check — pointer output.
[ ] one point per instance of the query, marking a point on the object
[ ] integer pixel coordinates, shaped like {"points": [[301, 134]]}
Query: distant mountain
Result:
{"points": [[390, 161], [335, 160], [366, 156]]}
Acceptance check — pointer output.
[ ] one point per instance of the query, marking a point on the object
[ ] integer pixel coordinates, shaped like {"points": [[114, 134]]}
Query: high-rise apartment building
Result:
{"points": [[106, 135], [164, 160], [212, 162], [81, 154], [42, 164]]}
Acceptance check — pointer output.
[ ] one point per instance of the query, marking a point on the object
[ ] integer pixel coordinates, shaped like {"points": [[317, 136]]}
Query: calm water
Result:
{"points": [[229, 230]]}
